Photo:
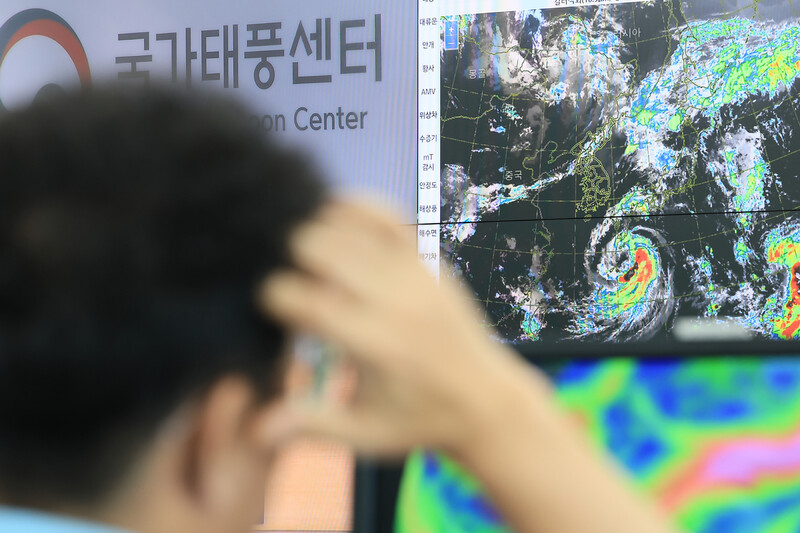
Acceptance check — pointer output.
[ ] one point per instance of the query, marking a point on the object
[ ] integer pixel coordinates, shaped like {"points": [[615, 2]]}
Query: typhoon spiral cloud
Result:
{"points": [[630, 273]]}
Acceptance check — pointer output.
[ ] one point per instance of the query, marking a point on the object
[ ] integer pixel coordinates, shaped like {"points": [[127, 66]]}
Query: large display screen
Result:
{"points": [[716, 441], [596, 169]]}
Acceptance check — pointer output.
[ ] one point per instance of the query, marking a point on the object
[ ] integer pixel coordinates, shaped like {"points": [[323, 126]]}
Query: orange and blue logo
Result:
{"points": [[41, 22]]}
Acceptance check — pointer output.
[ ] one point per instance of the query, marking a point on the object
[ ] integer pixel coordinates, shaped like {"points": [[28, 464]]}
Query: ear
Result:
{"points": [[218, 455]]}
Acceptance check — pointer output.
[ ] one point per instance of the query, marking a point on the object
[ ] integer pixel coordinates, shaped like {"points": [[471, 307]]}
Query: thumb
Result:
{"points": [[275, 425], [368, 433], [329, 421], [298, 418]]}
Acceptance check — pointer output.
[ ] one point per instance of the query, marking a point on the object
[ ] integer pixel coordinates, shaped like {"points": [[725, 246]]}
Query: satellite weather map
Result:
{"points": [[608, 168]]}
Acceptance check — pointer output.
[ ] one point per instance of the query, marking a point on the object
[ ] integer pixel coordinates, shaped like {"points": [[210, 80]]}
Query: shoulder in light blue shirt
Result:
{"points": [[15, 520]]}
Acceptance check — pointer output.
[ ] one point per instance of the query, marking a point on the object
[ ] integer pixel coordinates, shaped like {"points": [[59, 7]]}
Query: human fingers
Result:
{"points": [[304, 304], [367, 232], [342, 255], [383, 224], [292, 419]]}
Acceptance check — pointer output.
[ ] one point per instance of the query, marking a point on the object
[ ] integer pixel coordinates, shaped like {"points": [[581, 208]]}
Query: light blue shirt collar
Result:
{"points": [[16, 520]]}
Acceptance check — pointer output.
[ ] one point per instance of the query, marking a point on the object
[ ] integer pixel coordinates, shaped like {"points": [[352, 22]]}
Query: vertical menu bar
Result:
{"points": [[428, 131]]}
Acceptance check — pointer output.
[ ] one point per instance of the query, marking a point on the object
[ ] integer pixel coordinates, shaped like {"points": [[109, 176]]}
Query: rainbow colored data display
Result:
{"points": [[716, 442], [783, 251], [632, 287]]}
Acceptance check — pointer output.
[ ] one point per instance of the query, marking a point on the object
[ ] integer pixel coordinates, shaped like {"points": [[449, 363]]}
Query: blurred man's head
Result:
{"points": [[133, 230]]}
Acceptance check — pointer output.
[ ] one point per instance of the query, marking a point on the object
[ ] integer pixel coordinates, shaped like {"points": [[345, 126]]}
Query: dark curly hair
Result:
{"points": [[134, 226]]}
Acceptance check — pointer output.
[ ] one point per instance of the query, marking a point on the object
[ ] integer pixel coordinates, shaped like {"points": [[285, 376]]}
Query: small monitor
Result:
{"points": [[712, 435]]}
